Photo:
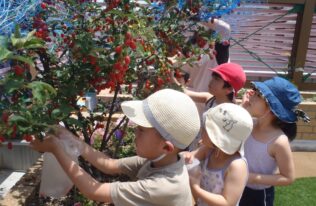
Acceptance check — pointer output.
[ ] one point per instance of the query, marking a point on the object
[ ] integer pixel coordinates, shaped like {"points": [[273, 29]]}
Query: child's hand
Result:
{"points": [[195, 175], [188, 157], [49, 144]]}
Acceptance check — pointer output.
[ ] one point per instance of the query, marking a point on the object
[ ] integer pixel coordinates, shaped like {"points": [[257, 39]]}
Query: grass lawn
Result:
{"points": [[301, 193]]}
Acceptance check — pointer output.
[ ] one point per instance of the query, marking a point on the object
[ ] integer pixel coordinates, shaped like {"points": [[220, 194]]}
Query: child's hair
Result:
{"points": [[289, 129], [230, 96], [232, 73]]}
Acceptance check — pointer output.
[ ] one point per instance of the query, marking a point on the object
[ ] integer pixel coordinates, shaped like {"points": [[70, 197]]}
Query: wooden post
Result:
{"points": [[300, 42]]}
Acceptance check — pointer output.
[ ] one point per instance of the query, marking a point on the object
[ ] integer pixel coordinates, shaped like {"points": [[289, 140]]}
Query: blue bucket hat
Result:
{"points": [[282, 97]]}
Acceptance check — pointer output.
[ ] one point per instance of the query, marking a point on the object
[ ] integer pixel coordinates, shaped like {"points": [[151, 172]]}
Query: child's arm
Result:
{"points": [[234, 184], [200, 154], [87, 185], [200, 97], [281, 151], [95, 157], [220, 26], [99, 160]]}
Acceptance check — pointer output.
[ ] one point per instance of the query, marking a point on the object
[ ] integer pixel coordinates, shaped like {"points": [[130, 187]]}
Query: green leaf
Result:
{"points": [[34, 43], [57, 114], [18, 42], [4, 53], [17, 32], [27, 60], [13, 84], [42, 92], [72, 121], [19, 120], [3, 41]]}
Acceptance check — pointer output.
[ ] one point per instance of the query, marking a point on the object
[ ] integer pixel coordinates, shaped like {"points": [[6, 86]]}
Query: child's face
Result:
{"points": [[254, 103], [206, 140], [149, 143], [216, 86]]}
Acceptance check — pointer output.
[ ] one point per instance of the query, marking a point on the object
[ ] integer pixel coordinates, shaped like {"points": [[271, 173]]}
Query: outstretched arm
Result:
{"points": [[199, 97], [87, 185], [220, 26], [98, 159]]}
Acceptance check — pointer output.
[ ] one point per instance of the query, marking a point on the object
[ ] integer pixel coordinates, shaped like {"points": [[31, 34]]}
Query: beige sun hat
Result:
{"points": [[228, 126], [172, 113]]}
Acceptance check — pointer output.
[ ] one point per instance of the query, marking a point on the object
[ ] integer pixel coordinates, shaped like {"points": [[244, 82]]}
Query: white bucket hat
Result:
{"points": [[172, 113], [228, 126]]}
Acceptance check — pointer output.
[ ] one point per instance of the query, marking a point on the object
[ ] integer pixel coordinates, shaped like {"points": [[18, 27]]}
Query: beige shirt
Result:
{"points": [[166, 186]]}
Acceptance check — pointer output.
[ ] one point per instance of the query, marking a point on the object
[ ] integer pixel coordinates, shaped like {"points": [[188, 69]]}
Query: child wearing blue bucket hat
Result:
{"points": [[272, 104]]}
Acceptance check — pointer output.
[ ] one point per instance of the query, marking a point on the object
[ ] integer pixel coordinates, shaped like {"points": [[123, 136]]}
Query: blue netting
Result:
{"points": [[207, 9], [13, 12]]}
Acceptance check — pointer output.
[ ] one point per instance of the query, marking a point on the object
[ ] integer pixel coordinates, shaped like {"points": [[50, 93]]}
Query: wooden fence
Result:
{"points": [[276, 37]]}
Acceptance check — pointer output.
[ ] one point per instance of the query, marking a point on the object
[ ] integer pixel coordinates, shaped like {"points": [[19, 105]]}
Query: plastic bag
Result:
{"points": [[54, 181], [191, 166]]}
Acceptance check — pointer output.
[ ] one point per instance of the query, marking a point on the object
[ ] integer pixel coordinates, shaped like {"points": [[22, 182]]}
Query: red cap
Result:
{"points": [[231, 73]]}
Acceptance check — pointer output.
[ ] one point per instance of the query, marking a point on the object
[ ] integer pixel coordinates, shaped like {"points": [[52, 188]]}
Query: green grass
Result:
{"points": [[301, 193]]}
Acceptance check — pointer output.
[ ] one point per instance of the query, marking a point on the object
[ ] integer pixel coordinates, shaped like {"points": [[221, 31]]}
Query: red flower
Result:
{"points": [[160, 81], [14, 130], [118, 49], [10, 145], [18, 70], [5, 117], [2, 139], [43, 6], [27, 137], [127, 60]]}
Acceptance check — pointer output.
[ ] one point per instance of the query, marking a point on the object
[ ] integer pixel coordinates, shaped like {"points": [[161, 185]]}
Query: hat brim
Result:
{"points": [[224, 143], [275, 105], [134, 110], [223, 77], [219, 73]]}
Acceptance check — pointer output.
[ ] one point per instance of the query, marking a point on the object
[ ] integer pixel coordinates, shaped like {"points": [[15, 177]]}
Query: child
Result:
{"points": [[227, 79], [223, 174], [272, 103], [199, 73], [167, 123]]}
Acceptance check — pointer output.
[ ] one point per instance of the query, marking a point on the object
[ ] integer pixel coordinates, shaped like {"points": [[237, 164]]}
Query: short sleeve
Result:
{"points": [[131, 165]]}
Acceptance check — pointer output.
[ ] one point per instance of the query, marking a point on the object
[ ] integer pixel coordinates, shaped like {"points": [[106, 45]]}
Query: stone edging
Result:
{"points": [[24, 190]]}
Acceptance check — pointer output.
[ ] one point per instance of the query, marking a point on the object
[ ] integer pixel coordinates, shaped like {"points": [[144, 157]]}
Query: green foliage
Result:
{"points": [[76, 47]]}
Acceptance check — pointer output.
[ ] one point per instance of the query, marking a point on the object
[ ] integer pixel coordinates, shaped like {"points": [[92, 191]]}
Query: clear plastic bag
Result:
{"points": [[54, 181]]}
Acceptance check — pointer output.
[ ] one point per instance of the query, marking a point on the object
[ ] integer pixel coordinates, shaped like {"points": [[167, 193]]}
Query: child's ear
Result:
{"points": [[229, 90], [169, 147]]}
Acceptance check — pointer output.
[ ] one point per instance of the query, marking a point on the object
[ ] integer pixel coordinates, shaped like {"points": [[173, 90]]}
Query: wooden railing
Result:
{"points": [[282, 39]]}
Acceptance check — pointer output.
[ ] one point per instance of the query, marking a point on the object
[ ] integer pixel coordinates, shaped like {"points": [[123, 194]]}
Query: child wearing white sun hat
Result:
{"points": [[167, 122], [223, 172]]}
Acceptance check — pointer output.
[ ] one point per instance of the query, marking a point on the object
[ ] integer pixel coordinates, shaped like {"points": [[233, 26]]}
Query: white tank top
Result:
{"points": [[259, 160], [213, 179]]}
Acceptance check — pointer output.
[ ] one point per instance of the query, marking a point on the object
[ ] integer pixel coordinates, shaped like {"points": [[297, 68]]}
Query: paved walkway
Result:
{"points": [[305, 164]]}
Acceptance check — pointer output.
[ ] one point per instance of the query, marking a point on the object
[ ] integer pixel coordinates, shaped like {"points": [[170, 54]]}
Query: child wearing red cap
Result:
{"points": [[227, 79]]}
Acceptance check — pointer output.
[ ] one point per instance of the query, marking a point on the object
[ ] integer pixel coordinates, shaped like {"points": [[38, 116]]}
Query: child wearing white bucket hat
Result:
{"points": [[167, 121], [223, 172]]}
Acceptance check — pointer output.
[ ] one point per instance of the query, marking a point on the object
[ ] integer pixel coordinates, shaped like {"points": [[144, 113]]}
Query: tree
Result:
{"points": [[77, 46]]}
